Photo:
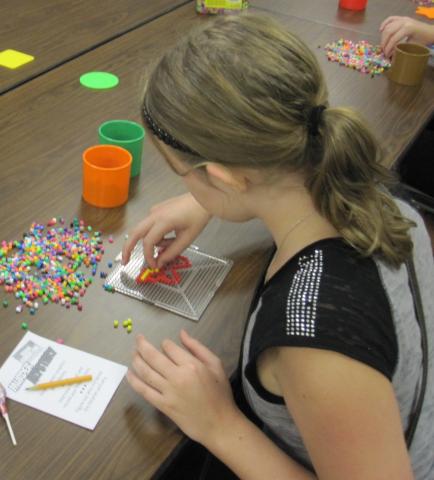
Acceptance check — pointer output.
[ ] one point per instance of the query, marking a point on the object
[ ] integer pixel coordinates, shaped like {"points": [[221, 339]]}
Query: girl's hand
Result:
{"points": [[180, 214], [189, 386], [395, 29]]}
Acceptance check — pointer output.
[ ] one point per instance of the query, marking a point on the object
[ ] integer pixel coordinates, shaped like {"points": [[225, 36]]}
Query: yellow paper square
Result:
{"points": [[226, 4], [14, 59]]}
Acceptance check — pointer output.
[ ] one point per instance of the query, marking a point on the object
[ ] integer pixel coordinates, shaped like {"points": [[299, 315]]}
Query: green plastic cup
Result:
{"points": [[125, 134]]}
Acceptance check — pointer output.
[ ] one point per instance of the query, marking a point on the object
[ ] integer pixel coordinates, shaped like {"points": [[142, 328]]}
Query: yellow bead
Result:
{"points": [[116, 323], [129, 329]]}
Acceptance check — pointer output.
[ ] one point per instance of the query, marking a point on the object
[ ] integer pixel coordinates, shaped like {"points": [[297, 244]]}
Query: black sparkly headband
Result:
{"points": [[163, 135], [315, 119]]}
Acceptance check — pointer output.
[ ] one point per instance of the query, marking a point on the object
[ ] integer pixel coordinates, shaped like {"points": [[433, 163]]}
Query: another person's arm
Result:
{"points": [[395, 29]]}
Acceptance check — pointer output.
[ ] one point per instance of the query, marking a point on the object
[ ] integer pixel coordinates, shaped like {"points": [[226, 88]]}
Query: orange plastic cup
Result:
{"points": [[106, 175]]}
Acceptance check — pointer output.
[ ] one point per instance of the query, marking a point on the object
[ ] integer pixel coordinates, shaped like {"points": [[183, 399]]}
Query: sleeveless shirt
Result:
{"points": [[330, 297]]}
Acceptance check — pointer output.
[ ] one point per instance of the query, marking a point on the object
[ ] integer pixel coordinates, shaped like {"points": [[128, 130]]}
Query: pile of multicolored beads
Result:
{"points": [[223, 7], [46, 264], [360, 56], [424, 3]]}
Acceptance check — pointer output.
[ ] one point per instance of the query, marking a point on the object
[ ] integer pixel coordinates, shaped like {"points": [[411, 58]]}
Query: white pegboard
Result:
{"points": [[189, 298]]}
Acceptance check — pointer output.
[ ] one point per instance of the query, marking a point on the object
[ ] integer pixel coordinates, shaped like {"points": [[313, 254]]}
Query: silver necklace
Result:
{"points": [[296, 224]]}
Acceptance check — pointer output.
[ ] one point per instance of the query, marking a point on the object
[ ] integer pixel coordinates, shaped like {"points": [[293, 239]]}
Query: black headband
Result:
{"points": [[315, 119], [163, 135], [312, 125]]}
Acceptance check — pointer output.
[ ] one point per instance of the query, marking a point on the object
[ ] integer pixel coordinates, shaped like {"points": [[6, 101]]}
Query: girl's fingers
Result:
{"points": [[396, 38], [139, 232], [199, 350], [153, 357], [175, 247], [387, 21], [164, 203], [388, 36], [165, 243], [177, 354], [154, 237], [151, 395], [147, 374]]}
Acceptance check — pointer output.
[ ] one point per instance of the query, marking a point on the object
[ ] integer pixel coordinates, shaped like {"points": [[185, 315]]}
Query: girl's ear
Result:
{"points": [[228, 177]]}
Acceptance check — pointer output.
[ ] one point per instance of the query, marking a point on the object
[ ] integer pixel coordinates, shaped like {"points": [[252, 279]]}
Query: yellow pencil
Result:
{"points": [[61, 383]]}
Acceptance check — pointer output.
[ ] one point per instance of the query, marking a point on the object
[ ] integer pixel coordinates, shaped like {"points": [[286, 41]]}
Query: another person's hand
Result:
{"points": [[189, 385], [182, 215], [396, 29]]}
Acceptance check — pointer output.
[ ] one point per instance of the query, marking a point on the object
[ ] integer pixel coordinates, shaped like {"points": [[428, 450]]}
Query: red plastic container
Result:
{"points": [[353, 4]]}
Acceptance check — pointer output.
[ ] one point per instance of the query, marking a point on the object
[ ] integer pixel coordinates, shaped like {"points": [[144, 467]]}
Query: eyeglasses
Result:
{"points": [[174, 170], [189, 170]]}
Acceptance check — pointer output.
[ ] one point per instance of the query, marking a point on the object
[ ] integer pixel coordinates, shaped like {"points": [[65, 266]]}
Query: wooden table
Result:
{"points": [[57, 31], [327, 12], [44, 127], [396, 113]]}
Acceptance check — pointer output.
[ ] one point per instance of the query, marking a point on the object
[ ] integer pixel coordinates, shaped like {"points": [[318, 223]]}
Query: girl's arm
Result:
{"points": [[191, 387], [347, 414], [251, 455], [182, 215], [345, 411]]}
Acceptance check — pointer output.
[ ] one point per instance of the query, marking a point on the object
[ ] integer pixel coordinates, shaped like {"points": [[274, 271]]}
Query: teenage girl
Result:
{"points": [[331, 357]]}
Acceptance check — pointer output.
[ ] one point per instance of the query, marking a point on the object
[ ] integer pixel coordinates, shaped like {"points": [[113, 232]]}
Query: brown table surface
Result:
{"points": [[55, 31], [328, 12], [44, 127], [395, 113]]}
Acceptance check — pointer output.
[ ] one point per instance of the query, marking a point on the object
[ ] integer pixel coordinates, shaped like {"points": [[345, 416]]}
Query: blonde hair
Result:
{"points": [[240, 91]]}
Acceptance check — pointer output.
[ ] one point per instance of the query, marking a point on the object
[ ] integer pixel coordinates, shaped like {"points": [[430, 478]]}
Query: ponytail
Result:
{"points": [[348, 186], [263, 108]]}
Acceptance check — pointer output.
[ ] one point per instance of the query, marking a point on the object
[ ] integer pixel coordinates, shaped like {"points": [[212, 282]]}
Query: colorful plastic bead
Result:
{"points": [[361, 56]]}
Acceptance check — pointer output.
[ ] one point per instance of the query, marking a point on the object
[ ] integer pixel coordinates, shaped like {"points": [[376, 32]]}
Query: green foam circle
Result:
{"points": [[99, 80]]}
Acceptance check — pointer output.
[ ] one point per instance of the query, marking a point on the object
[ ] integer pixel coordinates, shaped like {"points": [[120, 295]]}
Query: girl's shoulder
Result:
{"points": [[328, 296], [329, 263]]}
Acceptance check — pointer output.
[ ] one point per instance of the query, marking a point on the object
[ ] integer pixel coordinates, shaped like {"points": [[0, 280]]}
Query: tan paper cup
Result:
{"points": [[409, 64]]}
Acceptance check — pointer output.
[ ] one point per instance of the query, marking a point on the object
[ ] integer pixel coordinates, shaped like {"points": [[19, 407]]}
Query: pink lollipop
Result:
{"points": [[4, 412]]}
